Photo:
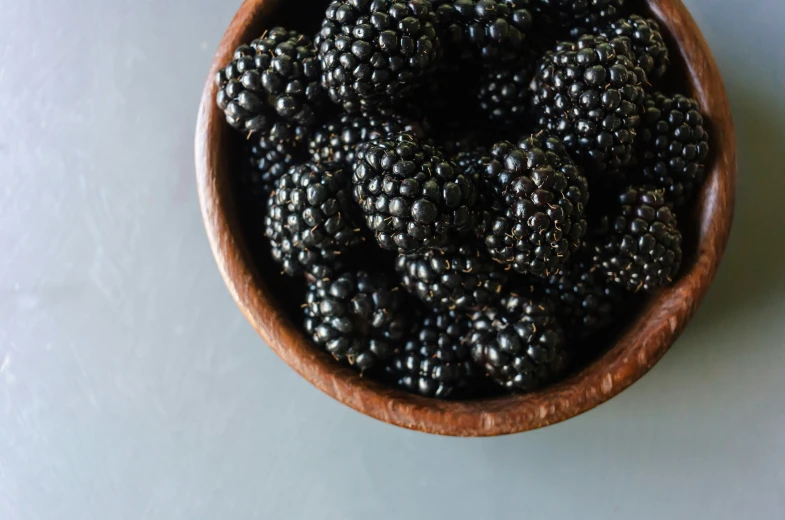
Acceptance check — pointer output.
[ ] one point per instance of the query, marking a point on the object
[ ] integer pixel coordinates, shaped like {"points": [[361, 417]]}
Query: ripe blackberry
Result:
{"points": [[651, 53], [579, 16], [271, 154], [585, 301], [413, 199], [336, 140], [599, 13], [307, 222], [372, 51], [520, 344], [493, 31], [356, 317], [590, 95], [504, 92], [275, 76], [539, 219], [435, 361], [460, 277], [673, 146], [641, 248]]}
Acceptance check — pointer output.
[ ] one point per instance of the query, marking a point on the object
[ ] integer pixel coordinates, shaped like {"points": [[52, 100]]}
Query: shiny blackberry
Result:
{"points": [[375, 51], [276, 76], [337, 139], [271, 154], [577, 16], [435, 361], [356, 317], [492, 31], [504, 92], [412, 198], [538, 216], [648, 47], [599, 13], [589, 93], [641, 247], [673, 146], [460, 277], [520, 343], [307, 220], [585, 301]]}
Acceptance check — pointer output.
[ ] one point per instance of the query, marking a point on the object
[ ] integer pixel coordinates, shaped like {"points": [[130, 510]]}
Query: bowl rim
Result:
{"points": [[636, 351]]}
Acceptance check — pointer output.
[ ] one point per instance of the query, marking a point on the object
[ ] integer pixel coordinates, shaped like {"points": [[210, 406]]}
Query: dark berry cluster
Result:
{"points": [[372, 51], [590, 93], [475, 191]]}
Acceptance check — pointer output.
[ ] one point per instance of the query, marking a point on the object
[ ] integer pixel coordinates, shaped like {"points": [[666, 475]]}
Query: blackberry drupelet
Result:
{"points": [[271, 154], [337, 139], [589, 93], [504, 92], [412, 198], [435, 361], [538, 220], [357, 317], [372, 51], [307, 221], [520, 344], [460, 277], [651, 53], [493, 31], [276, 76], [641, 247], [585, 301], [673, 146]]}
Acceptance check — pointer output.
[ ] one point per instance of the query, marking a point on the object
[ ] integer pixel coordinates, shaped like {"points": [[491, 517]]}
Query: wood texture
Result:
{"points": [[635, 351]]}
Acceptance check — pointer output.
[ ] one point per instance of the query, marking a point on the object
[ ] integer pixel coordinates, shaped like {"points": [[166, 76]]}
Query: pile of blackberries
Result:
{"points": [[473, 189]]}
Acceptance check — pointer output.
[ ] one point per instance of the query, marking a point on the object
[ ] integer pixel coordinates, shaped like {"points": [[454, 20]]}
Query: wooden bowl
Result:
{"points": [[634, 350]]}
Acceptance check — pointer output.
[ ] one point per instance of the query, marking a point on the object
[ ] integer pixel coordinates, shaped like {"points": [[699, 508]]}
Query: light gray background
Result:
{"points": [[131, 387]]}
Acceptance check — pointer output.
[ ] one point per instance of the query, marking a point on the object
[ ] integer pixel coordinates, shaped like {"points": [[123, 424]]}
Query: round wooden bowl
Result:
{"points": [[264, 299]]}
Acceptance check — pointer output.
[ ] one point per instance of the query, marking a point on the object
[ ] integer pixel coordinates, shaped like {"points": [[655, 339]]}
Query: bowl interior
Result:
{"points": [[272, 302]]}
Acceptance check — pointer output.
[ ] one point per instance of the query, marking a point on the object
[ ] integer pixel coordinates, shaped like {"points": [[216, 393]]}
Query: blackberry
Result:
{"points": [[412, 198], [277, 75], [520, 344], [435, 361], [493, 31], [336, 140], [307, 222], [504, 92], [271, 154], [673, 146], [460, 277], [355, 317], [578, 15], [538, 219], [641, 247], [585, 301], [651, 53], [373, 51], [473, 162], [599, 13], [590, 95]]}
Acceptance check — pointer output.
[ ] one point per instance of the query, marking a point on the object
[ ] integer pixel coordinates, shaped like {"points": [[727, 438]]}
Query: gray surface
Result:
{"points": [[131, 386]]}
